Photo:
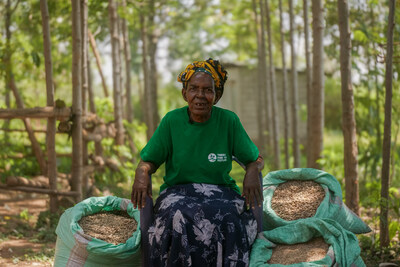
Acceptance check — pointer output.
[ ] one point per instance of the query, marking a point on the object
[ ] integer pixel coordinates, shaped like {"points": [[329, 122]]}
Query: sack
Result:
{"points": [[332, 206], [343, 251], [75, 248]]}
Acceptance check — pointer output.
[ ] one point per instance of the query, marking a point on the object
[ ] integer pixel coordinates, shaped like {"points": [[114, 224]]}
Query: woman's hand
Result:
{"points": [[141, 187], [251, 184]]}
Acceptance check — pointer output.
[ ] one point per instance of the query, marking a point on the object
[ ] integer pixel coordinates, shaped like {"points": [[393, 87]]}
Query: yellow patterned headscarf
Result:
{"points": [[209, 66]]}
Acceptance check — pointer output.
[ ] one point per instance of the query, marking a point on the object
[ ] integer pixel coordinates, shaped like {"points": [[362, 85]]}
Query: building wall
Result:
{"points": [[240, 96]]}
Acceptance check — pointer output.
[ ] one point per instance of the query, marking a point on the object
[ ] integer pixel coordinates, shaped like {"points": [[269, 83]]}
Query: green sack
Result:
{"points": [[343, 251], [75, 248], [332, 206]]}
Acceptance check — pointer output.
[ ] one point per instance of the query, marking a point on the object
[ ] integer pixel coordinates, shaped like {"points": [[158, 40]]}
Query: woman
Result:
{"points": [[200, 217]]}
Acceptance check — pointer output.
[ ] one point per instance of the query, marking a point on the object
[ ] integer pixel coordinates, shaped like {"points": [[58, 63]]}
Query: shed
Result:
{"points": [[240, 96]]}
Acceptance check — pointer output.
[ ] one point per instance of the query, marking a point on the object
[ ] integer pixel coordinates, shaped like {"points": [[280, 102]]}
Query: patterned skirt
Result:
{"points": [[201, 225]]}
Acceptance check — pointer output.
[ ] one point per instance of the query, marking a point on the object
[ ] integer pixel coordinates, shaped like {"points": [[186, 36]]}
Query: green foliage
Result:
{"points": [[172, 98], [372, 254], [332, 155], [394, 227], [119, 181], [333, 104], [24, 215], [104, 108], [46, 226]]}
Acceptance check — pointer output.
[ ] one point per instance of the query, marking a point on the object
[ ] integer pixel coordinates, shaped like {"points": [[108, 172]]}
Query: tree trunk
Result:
{"points": [[97, 145], [84, 31], [295, 97], [348, 117], [51, 121], [92, 106], [377, 90], [384, 223], [261, 78], [145, 64], [85, 88], [316, 108], [149, 46], [98, 62], [77, 141], [284, 88], [127, 53], [6, 60], [116, 62], [272, 95], [308, 77]]}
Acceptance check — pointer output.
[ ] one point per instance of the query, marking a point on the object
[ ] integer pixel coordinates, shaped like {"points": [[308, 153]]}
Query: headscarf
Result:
{"points": [[209, 66]]}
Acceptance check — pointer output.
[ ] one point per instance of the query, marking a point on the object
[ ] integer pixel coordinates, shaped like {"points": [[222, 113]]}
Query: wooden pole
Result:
{"points": [[76, 100], [387, 135], [98, 62], [116, 66], [294, 91], [85, 86], [39, 190], [35, 113], [51, 121], [127, 53], [272, 92], [348, 117], [284, 88]]}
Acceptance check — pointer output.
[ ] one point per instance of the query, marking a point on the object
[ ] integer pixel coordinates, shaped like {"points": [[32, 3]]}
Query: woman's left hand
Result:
{"points": [[251, 184]]}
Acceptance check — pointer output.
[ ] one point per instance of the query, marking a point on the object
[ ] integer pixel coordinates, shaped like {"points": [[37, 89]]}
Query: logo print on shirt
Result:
{"points": [[212, 157], [220, 157]]}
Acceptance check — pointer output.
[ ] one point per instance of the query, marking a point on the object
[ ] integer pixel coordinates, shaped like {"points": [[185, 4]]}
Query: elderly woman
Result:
{"points": [[200, 217]]}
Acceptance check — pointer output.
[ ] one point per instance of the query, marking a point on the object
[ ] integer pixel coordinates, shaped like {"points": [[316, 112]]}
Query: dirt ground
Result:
{"points": [[17, 245]]}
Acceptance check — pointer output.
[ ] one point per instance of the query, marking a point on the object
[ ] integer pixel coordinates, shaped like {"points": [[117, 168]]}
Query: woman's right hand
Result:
{"points": [[141, 186]]}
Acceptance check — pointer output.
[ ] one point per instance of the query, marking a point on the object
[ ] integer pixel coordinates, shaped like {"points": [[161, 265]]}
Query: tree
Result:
{"points": [[77, 141], [295, 97], [116, 66], [51, 122], [97, 57], [384, 205], [348, 118], [127, 56], [284, 87], [150, 35], [261, 77], [316, 108], [272, 90], [308, 73]]}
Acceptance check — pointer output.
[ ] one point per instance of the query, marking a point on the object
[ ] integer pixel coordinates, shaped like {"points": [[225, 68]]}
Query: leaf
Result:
{"points": [[360, 36], [35, 58], [394, 226]]}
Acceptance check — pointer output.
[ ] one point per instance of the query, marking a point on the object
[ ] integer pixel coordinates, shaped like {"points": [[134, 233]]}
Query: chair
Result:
{"points": [[147, 217]]}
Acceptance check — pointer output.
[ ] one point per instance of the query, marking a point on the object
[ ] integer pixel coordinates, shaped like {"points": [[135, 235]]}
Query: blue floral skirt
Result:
{"points": [[201, 225]]}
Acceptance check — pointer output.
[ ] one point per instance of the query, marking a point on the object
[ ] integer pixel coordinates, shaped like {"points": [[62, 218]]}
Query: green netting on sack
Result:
{"points": [[332, 206], [343, 251], [75, 248]]}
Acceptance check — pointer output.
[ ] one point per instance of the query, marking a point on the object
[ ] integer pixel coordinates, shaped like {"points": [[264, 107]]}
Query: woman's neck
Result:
{"points": [[198, 118]]}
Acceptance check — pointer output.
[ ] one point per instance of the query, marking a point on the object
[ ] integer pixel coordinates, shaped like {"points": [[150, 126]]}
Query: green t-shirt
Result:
{"points": [[199, 152]]}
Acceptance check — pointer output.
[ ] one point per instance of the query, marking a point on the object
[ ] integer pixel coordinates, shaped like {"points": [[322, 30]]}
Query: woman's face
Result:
{"points": [[201, 96]]}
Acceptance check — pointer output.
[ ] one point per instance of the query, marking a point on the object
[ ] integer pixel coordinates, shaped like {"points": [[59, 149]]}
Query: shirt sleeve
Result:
{"points": [[158, 147], [243, 148]]}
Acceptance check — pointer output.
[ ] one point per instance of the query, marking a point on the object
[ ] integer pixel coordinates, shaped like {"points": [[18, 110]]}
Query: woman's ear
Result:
{"points": [[218, 95], [184, 94]]}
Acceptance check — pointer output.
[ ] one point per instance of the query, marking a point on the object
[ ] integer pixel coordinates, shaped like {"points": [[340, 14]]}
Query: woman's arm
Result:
{"points": [[251, 184], [141, 186]]}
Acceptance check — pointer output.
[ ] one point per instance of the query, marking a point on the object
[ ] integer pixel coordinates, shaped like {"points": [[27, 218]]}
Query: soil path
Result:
{"points": [[16, 247]]}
